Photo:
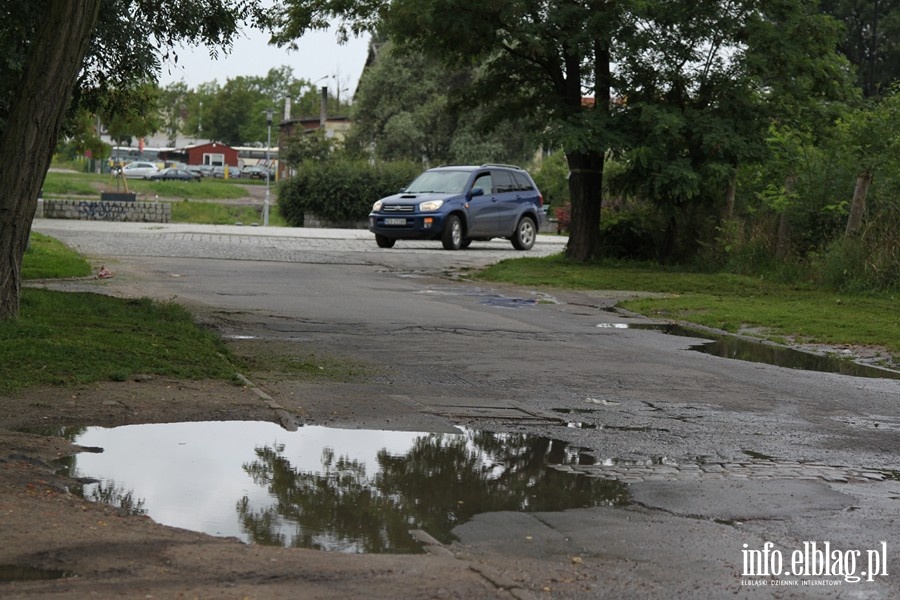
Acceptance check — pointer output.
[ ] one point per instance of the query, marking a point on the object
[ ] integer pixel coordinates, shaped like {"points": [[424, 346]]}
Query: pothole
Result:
{"points": [[345, 490]]}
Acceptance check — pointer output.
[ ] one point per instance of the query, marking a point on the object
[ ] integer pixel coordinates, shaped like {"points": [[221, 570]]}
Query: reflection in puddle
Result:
{"points": [[331, 489], [728, 346]]}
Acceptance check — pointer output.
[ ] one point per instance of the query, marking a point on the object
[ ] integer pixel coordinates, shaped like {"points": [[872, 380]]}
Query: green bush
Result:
{"points": [[868, 263], [341, 190], [630, 235]]}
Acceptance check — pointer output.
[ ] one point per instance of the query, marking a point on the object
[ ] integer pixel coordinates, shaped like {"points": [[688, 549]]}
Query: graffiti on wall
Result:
{"points": [[101, 211]]}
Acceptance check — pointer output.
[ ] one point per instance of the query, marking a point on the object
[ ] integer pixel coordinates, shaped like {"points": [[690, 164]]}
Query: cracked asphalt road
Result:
{"points": [[720, 456]]}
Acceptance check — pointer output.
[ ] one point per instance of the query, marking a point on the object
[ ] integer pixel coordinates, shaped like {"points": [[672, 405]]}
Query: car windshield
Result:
{"points": [[441, 182]]}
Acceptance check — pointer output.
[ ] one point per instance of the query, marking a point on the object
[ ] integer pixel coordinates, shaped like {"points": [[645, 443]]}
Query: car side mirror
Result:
{"points": [[402, 190], [476, 192]]}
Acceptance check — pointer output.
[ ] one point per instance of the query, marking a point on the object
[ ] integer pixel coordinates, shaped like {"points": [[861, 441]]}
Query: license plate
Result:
{"points": [[394, 221]]}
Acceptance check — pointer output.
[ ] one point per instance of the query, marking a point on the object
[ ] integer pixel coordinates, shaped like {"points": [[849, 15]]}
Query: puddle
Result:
{"points": [[341, 490], [9, 573], [727, 346], [503, 302]]}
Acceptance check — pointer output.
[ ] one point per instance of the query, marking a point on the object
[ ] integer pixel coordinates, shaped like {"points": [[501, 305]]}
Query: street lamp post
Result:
{"points": [[269, 112]]}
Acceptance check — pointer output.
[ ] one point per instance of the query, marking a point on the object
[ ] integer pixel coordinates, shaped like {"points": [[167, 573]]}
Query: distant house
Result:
{"points": [[213, 154], [335, 127]]}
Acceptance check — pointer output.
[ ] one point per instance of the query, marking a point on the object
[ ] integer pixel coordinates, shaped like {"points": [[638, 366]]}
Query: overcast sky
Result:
{"points": [[319, 56]]}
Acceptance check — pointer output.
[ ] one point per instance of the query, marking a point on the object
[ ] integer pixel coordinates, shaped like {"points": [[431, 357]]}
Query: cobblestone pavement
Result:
{"points": [[277, 244]]}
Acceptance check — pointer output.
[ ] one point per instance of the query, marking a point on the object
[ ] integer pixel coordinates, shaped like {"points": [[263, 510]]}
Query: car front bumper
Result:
{"points": [[407, 226]]}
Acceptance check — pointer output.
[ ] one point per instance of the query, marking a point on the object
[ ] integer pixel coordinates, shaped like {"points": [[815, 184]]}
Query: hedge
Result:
{"points": [[341, 190]]}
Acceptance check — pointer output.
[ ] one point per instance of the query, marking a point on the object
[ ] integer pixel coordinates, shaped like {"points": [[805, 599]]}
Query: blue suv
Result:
{"points": [[460, 204]]}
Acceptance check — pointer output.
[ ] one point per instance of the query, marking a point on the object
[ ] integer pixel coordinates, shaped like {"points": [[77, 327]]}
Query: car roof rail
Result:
{"points": [[503, 165]]}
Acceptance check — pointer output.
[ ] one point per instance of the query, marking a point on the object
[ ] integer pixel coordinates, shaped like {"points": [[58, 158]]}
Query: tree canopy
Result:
{"points": [[413, 107], [682, 91], [60, 56]]}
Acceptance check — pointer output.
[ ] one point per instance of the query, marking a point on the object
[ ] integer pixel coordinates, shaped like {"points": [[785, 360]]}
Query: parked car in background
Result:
{"points": [[201, 170], [174, 175], [460, 204], [139, 169], [256, 172], [233, 172]]}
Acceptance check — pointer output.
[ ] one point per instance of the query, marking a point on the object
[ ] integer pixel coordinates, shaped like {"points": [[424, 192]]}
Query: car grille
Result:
{"points": [[398, 208]]}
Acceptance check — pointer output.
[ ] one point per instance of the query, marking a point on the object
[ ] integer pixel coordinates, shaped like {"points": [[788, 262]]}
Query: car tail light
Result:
{"points": [[540, 199]]}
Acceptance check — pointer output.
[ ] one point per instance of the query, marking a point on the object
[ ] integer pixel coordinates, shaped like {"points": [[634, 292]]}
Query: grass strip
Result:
{"points": [[223, 214], [48, 258], [64, 338], [89, 184], [778, 311]]}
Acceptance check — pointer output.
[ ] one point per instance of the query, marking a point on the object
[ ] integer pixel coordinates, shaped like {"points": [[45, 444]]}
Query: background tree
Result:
{"points": [[133, 113], [173, 109], [702, 83], [409, 106], [57, 51], [681, 87], [871, 40]]}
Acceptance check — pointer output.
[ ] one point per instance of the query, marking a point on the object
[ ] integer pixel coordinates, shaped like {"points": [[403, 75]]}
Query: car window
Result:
{"points": [[503, 182], [442, 182], [484, 182], [522, 182]]}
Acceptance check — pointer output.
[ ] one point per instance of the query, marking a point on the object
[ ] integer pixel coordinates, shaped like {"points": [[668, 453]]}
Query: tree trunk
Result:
{"points": [[858, 206], [32, 129], [730, 194], [585, 189], [586, 165], [783, 240]]}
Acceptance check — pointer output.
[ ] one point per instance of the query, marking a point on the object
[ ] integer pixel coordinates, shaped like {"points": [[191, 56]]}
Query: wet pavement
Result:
{"points": [[719, 457]]}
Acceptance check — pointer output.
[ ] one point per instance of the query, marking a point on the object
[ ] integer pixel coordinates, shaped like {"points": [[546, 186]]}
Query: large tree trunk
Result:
{"points": [[585, 189], [32, 128], [858, 206], [586, 166]]}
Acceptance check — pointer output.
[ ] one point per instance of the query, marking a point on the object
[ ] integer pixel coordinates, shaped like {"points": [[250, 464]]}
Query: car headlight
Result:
{"points": [[377, 206], [430, 205]]}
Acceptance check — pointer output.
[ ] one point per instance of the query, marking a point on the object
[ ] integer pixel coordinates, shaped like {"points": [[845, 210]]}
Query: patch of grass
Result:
{"points": [[223, 214], [724, 301], [71, 338], [76, 184], [89, 184], [264, 359], [48, 258], [205, 189]]}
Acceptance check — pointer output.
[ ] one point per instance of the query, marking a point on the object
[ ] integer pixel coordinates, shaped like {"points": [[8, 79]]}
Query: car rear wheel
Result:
{"points": [[452, 236], [384, 242], [524, 236]]}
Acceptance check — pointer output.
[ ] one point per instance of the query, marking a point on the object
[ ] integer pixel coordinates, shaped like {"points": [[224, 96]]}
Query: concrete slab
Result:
{"points": [[735, 500]]}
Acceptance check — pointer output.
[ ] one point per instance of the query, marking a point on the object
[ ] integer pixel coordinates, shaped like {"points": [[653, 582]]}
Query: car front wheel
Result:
{"points": [[384, 242], [524, 236], [452, 236]]}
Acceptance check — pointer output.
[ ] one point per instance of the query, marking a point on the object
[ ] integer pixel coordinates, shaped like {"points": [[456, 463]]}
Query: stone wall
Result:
{"points": [[96, 210]]}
